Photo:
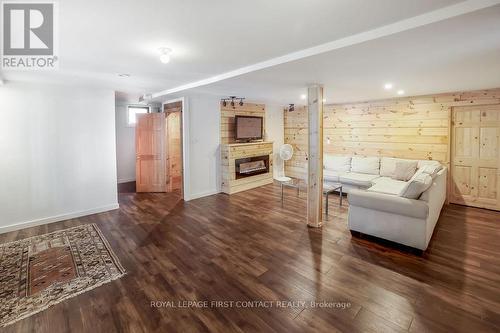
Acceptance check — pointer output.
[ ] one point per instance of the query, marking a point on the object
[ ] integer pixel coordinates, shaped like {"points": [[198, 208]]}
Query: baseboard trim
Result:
{"points": [[201, 195], [57, 218], [125, 180]]}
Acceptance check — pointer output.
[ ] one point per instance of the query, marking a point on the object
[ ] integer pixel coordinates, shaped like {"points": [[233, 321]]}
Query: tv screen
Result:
{"points": [[248, 128]]}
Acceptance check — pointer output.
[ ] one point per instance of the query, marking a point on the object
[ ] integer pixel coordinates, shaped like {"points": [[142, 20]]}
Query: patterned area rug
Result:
{"points": [[40, 271]]}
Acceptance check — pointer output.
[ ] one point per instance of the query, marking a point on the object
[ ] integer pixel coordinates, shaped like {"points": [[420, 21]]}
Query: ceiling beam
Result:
{"points": [[461, 8]]}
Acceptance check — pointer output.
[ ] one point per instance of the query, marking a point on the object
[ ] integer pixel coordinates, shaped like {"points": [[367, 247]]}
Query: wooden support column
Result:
{"points": [[315, 157]]}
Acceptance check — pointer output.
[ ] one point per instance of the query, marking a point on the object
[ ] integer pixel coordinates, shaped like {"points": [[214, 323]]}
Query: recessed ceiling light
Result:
{"points": [[124, 75], [401, 92], [388, 86], [303, 96], [165, 54]]}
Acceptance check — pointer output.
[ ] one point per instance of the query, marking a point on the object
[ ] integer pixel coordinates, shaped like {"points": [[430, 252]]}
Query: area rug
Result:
{"points": [[40, 271]]}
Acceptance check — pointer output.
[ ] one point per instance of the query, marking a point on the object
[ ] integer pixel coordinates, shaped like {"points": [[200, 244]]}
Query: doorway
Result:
{"points": [[475, 156], [173, 148], [159, 150]]}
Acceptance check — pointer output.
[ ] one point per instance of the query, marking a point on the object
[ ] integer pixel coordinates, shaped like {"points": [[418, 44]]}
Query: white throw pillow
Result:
{"points": [[404, 170], [432, 169], [337, 163], [422, 163], [369, 165], [419, 183]]}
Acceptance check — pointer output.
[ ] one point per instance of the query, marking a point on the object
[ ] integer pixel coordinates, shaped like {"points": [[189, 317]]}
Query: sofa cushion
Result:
{"points": [[337, 163], [367, 165], [404, 170], [387, 185], [419, 183], [357, 179], [332, 176], [388, 165]]}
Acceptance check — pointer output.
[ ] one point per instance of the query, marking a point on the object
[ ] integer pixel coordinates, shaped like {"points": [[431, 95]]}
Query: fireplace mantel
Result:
{"points": [[234, 155]]}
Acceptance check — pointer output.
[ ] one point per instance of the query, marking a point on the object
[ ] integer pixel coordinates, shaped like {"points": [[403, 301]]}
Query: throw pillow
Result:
{"points": [[404, 170], [416, 186], [432, 170]]}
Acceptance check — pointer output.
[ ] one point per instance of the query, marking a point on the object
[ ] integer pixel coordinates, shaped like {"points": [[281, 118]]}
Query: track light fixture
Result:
{"points": [[232, 99]]}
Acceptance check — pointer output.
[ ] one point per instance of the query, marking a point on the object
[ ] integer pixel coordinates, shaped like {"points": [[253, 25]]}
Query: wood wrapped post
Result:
{"points": [[315, 160]]}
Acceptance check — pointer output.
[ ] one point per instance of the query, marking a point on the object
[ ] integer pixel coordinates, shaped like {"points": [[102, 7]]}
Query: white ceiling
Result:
{"points": [[457, 54], [99, 39]]}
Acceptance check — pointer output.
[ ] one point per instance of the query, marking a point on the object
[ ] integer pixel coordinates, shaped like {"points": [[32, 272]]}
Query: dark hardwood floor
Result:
{"points": [[248, 247]]}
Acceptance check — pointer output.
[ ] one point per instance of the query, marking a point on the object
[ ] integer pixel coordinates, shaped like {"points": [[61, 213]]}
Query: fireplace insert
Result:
{"points": [[251, 166]]}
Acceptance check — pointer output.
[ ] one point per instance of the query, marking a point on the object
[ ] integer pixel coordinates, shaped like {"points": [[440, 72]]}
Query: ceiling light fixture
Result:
{"points": [[324, 100], [303, 96], [124, 75], [388, 86], [165, 54], [401, 92]]}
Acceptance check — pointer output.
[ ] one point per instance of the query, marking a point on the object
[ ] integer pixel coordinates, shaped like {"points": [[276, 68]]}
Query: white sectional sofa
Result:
{"points": [[395, 199]]}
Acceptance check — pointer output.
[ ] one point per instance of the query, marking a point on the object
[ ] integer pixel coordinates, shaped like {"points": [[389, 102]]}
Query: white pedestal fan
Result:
{"points": [[285, 153]]}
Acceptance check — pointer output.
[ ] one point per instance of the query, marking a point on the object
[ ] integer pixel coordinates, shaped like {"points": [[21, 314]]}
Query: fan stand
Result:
{"points": [[282, 178]]}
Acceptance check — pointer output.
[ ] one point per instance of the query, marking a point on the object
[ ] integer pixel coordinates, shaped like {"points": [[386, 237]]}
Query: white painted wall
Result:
{"points": [[57, 148], [202, 134], [275, 132], [202, 128], [125, 142]]}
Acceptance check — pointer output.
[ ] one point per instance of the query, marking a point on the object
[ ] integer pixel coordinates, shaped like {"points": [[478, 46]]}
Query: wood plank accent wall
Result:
{"points": [[411, 127], [232, 152], [228, 113]]}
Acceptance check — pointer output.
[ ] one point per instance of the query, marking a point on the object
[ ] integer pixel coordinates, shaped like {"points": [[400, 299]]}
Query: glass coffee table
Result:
{"points": [[328, 189]]}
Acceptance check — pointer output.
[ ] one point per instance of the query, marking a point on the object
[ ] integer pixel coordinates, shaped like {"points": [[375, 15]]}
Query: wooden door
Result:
{"points": [[150, 153], [174, 151], [475, 156]]}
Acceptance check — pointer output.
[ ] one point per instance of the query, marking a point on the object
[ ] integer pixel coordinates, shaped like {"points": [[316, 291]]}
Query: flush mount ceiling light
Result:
{"points": [[165, 54], [388, 86], [124, 75], [303, 96], [401, 92]]}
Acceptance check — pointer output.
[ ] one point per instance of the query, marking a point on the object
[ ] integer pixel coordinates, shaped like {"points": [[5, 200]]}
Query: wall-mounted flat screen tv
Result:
{"points": [[248, 128]]}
